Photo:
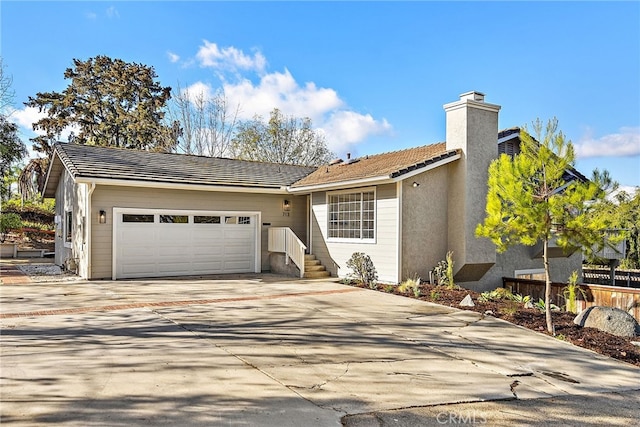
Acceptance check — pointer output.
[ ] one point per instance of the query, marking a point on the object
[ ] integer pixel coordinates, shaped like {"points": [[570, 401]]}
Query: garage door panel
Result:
{"points": [[207, 257], [168, 249], [236, 266], [138, 270], [178, 251], [170, 235], [204, 267]]}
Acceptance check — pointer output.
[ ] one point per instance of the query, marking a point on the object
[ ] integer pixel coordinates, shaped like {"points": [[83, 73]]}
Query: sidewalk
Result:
{"points": [[12, 275]]}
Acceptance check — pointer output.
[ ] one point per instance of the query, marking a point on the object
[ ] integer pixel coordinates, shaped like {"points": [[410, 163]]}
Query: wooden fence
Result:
{"points": [[608, 296]]}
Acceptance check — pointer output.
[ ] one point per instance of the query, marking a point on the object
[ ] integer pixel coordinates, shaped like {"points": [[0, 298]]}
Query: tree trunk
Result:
{"points": [[547, 288]]}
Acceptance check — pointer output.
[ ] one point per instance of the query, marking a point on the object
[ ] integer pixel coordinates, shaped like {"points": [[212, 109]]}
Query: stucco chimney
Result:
{"points": [[472, 128]]}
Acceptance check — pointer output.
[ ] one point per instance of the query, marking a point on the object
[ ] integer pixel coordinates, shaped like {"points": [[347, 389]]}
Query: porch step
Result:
{"points": [[313, 268]]}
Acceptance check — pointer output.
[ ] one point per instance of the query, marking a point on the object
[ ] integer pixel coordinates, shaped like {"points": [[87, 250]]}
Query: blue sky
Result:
{"points": [[373, 76]]}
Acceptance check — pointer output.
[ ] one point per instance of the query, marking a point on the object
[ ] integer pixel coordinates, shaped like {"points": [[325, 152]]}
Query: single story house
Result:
{"points": [[131, 214]]}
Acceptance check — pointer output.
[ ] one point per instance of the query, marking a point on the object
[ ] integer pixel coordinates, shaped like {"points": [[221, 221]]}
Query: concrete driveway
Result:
{"points": [[266, 350]]}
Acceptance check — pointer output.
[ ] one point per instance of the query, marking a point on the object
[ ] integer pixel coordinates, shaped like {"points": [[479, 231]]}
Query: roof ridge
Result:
{"points": [[201, 156], [401, 150]]}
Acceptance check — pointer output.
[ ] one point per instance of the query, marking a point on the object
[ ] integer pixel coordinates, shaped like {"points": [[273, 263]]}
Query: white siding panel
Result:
{"points": [[383, 252]]}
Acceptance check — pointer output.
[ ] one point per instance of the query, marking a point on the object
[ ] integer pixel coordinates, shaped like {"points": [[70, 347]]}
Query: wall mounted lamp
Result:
{"points": [[102, 218], [286, 207], [415, 184]]}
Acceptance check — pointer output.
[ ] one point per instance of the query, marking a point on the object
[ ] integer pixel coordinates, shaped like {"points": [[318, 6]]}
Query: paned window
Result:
{"points": [[137, 218], [352, 215], [206, 219], [174, 219], [237, 220]]}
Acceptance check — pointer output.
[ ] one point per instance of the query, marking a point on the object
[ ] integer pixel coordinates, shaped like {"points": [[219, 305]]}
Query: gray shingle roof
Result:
{"points": [[88, 161]]}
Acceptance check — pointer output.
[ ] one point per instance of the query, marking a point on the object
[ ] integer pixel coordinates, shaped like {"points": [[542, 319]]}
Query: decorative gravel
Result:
{"points": [[47, 273]]}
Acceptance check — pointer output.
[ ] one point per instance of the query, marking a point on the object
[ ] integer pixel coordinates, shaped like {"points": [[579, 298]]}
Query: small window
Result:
{"points": [[237, 220], [206, 219], [68, 226], [174, 219], [137, 218]]}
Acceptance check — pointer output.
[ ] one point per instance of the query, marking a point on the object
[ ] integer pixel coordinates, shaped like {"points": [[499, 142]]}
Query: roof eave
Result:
{"points": [[51, 182], [181, 186], [377, 180]]}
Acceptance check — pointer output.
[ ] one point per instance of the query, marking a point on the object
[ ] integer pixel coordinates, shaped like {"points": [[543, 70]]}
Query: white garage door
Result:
{"points": [[156, 243]]}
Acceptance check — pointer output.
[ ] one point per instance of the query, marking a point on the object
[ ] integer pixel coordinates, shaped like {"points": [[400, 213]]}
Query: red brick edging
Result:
{"points": [[12, 275]]}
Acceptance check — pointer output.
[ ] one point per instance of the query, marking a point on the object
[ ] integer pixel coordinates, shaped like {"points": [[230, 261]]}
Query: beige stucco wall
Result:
{"points": [[383, 251], [107, 197], [424, 222], [472, 127]]}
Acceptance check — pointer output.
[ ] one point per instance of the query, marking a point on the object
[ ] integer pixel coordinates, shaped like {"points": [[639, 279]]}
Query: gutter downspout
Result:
{"points": [[399, 240], [91, 188]]}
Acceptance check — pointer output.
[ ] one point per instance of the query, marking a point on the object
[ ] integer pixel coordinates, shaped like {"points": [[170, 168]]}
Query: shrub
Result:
{"points": [[497, 294], [501, 294], [510, 308], [443, 272], [540, 305], [570, 293], [363, 269], [8, 221], [411, 285], [449, 270]]}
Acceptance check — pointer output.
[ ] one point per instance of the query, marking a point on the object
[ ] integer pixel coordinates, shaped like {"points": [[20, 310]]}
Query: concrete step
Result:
{"points": [[308, 262], [309, 257], [315, 267], [316, 274]]}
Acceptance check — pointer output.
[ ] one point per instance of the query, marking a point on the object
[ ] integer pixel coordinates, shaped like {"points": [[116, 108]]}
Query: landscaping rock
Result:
{"points": [[608, 319], [467, 301]]}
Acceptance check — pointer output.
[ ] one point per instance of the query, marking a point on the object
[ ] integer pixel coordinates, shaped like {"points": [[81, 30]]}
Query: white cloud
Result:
{"points": [[198, 90], [26, 117], [112, 12], [344, 129], [229, 58], [622, 144], [91, 15], [173, 57], [280, 90]]}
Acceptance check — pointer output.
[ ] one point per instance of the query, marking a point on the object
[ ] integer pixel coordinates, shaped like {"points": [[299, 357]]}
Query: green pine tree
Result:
{"points": [[532, 198]]}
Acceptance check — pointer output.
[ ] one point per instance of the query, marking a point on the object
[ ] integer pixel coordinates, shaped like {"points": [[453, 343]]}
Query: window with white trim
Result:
{"points": [[351, 215], [68, 226]]}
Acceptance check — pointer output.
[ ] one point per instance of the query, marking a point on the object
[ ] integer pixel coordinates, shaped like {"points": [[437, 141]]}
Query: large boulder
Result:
{"points": [[608, 319]]}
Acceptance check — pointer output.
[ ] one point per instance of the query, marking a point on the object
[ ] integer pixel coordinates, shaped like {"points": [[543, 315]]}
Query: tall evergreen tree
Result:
{"points": [[108, 102], [532, 199], [12, 151]]}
